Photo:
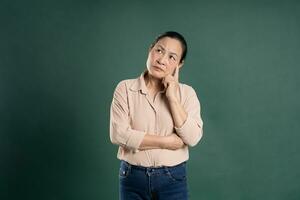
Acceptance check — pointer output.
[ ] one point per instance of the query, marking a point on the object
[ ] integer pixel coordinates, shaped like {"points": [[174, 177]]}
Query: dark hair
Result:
{"points": [[174, 35]]}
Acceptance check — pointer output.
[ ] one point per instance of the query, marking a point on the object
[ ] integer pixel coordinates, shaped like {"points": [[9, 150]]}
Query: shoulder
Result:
{"points": [[187, 90], [189, 96], [125, 84]]}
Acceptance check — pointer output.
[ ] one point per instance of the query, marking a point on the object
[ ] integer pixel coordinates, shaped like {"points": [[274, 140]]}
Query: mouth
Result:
{"points": [[157, 68]]}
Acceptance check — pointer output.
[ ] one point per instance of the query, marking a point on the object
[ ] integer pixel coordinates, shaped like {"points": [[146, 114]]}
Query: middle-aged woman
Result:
{"points": [[153, 120]]}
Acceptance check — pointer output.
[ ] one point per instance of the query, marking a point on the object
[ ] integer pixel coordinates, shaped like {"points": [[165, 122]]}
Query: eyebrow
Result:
{"points": [[165, 49]]}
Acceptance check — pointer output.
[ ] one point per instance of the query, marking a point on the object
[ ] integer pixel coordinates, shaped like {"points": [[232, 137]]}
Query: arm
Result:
{"points": [[171, 142], [178, 113], [187, 118]]}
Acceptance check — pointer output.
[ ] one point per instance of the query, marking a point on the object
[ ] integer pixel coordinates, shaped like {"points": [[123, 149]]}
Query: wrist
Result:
{"points": [[163, 142], [173, 100]]}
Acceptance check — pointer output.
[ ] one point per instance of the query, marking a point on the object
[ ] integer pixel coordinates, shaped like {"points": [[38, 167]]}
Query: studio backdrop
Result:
{"points": [[60, 62]]}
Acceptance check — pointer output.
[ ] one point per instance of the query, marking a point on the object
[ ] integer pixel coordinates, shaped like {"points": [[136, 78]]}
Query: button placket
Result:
{"points": [[151, 104]]}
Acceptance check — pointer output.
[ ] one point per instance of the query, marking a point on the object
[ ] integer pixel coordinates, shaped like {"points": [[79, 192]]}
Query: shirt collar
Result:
{"points": [[139, 84]]}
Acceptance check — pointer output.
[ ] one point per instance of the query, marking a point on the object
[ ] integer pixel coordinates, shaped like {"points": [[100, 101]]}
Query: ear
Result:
{"points": [[180, 64]]}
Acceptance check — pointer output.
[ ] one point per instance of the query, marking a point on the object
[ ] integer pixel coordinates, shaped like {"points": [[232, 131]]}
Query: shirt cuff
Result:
{"points": [[186, 126], [135, 139]]}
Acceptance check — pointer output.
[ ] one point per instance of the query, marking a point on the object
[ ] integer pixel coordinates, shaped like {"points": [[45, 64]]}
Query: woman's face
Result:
{"points": [[164, 57]]}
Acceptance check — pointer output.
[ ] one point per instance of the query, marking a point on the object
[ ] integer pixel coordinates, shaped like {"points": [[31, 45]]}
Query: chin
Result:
{"points": [[158, 75]]}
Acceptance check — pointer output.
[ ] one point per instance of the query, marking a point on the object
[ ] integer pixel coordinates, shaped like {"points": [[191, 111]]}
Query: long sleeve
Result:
{"points": [[121, 132], [192, 129]]}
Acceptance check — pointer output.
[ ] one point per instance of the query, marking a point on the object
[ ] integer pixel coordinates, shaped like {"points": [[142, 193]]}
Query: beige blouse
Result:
{"points": [[133, 114]]}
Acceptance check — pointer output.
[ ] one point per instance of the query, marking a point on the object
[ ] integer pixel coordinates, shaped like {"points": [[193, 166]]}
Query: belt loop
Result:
{"points": [[129, 167]]}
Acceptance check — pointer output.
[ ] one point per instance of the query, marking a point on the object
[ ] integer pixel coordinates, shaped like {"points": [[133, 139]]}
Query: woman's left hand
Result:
{"points": [[171, 84]]}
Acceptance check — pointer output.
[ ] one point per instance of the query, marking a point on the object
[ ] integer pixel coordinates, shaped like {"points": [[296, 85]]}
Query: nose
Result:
{"points": [[162, 59]]}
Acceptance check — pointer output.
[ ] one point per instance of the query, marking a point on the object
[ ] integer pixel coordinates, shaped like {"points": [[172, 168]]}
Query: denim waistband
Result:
{"points": [[162, 168]]}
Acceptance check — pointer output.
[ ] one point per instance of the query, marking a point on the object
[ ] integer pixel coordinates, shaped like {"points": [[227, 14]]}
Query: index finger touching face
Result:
{"points": [[176, 74]]}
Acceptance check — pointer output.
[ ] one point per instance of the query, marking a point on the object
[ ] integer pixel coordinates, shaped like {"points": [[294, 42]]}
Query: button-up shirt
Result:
{"points": [[134, 113]]}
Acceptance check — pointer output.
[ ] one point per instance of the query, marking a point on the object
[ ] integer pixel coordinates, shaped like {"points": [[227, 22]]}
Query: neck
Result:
{"points": [[153, 83]]}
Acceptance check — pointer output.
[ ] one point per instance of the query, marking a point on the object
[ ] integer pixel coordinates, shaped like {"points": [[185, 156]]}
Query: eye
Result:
{"points": [[173, 58], [159, 50]]}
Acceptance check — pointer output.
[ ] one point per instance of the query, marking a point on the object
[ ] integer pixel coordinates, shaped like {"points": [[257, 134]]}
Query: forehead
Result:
{"points": [[170, 44]]}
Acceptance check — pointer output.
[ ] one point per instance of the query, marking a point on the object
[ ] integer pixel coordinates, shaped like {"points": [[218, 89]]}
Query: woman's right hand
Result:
{"points": [[173, 142]]}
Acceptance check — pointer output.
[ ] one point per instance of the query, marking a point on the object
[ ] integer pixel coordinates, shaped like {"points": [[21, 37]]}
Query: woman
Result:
{"points": [[154, 119]]}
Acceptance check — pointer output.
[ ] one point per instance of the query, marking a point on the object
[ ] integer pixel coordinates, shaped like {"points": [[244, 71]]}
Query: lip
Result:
{"points": [[158, 68]]}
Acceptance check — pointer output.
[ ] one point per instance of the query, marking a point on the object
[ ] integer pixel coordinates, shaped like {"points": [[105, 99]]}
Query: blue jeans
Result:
{"points": [[149, 183]]}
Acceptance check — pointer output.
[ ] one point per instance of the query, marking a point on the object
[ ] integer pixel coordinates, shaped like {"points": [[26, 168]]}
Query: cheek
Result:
{"points": [[153, 57], [171, 69], [150, 58]]}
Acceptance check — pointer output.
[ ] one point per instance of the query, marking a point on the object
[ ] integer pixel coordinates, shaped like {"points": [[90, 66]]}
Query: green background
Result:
{"points": [[61, 60]]}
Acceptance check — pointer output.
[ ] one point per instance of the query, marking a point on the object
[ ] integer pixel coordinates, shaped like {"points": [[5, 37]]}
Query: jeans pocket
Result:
{"points": [[124, 170], [177, 173]]}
